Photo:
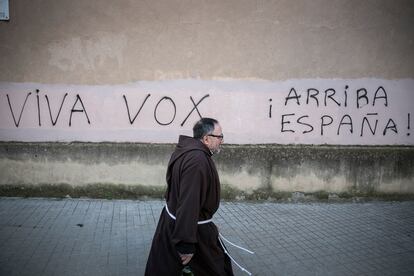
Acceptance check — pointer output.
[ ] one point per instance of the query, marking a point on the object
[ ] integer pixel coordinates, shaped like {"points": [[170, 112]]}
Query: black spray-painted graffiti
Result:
{"points": [[74, 109], [362, 111], [290, 122], [78, 106], [165, 98]]}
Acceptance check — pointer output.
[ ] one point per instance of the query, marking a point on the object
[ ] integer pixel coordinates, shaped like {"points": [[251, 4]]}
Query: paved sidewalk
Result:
{"points": [[112, 237]]}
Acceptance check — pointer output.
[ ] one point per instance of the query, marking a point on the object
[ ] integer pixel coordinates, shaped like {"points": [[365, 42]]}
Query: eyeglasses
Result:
{"points": [[217, 136]]}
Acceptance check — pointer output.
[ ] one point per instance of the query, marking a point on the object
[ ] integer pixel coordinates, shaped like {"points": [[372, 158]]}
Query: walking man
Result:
{"points": [[185, 234]]}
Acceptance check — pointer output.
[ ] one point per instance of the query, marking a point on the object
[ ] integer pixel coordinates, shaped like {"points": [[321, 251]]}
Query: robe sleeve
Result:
{"points": [[193, 180]]}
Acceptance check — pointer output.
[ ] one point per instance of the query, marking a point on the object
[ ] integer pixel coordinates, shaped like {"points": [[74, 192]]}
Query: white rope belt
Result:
{"points": [[221, 238], [174, 218]]}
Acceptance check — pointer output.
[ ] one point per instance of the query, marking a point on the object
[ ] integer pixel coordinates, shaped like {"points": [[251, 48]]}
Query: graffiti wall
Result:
{"points": [[303, 111]]}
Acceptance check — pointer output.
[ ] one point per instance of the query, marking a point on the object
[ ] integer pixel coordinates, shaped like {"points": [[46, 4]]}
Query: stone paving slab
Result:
{"points": [[113, 237]]}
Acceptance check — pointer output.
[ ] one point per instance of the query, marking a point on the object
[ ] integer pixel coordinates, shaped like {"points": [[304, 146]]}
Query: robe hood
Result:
{"points": [[186, 144]]}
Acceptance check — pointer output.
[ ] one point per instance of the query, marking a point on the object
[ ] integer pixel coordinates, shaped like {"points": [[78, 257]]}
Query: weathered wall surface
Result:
{"points": [[322, 168], [266, 168], [246, 55], [112, 42]]}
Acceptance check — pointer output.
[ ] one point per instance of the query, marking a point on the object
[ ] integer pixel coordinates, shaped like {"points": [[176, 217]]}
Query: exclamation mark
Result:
{"points": [[408, 127], [270, 108], [38, 106]]}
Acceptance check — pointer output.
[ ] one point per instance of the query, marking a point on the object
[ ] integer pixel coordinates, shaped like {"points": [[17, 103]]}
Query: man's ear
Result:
{"points": [[204, 140]]}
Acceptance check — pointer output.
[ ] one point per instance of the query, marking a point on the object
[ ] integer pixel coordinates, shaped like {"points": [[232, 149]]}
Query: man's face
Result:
{"points": [[214, 140]]}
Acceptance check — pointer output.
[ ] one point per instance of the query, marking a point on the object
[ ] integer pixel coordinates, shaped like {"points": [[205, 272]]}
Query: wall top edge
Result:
{"points": [[206, 81], [226, 146]]}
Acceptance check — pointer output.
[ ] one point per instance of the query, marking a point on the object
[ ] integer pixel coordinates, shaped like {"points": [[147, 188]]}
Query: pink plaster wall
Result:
{"points": [[302, 111]]}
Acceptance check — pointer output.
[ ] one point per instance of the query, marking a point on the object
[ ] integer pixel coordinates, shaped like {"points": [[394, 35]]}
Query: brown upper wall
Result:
{"points": [[109, 42]]}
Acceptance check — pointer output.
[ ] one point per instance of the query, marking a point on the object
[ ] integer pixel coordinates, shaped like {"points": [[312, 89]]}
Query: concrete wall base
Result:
{"points": [[246, 171]]}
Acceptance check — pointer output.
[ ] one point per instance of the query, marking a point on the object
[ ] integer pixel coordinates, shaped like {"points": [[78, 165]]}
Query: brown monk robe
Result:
{"points": [[193, 194]]}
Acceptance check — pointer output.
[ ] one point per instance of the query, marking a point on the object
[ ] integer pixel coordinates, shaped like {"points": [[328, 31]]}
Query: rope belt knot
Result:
{"points": [[220, 238]]}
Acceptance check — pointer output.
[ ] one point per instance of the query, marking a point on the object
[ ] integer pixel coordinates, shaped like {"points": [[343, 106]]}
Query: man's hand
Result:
{"points": [[185, 258]]}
